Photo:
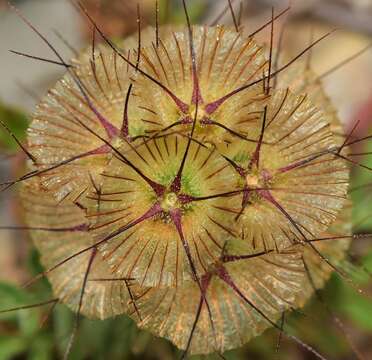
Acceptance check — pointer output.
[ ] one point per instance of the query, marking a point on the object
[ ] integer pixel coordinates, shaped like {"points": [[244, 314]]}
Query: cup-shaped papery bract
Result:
{"points": [[60, 230]]}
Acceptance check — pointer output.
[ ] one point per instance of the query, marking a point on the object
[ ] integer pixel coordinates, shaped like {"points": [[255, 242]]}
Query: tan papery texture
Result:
{"points": [[251, 210]]}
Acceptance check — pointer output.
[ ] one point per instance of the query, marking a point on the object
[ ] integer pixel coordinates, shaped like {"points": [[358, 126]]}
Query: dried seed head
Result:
{"points": [[298, 177], [152, 252], [191, 175]]}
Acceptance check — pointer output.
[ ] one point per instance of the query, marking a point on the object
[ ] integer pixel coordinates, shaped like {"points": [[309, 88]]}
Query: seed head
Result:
{"points": [[196, 177]]}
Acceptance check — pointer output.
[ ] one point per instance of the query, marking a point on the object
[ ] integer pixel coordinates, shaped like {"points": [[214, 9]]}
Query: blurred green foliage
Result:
{"points": [[17, 122], [173, 13], [362, 193]]}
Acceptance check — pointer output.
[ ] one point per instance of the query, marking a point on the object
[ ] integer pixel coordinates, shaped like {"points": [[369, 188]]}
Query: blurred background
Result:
{"points": [[42, 334]]}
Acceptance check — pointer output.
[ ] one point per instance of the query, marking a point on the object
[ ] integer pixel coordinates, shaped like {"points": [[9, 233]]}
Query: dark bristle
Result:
{"points": [[240, 14], [269, 22], [176, 185], [94, 49], [40, 59], [306, 161], [356, 141], [125, 126], [77, 228], [176, 217], [213, 106], [38, 33], [232, 258], [180, 104], [66, 43], [256, 155], [310, 53], [222, 13], [280, 336], [127, 279], [96, 188], [270, 52], [21, 146], [32, 306], [241, 171], [344, 62], [28, 90], [233, 15], [226, 194], [78, 314], [226, 278], [196, 94], [245, 200], [204, 286], [333, 316], [132, 298], [269, 197], [231, 131], [356, 163], [157, 23], [48, 315], [335, 268], [139, 36], [279, 51], [348, 137]]}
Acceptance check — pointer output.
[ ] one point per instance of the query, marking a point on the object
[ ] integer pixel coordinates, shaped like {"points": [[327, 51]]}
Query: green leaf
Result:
{"points": [[10, 346], [356, 306], [62, 323], [367, 262], [17, 122], [176, 14], [42, 287], [11, 296], [362, 219], [27, 320], [41, 348]]}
